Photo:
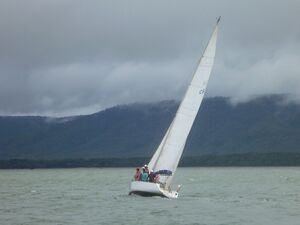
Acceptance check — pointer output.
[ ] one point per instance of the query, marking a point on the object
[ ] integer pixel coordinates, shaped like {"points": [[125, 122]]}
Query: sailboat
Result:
{"points": [[165, 160]]}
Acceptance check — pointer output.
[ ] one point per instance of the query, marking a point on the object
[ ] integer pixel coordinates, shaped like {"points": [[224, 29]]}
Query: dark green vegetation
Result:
{"points": [[246, 159], [263, 125]]}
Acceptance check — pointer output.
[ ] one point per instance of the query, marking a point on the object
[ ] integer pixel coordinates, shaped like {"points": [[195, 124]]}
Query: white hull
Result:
{"points": [[150, 189]]}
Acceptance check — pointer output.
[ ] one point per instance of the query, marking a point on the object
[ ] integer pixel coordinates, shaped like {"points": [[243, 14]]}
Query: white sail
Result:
{"points": [[169, 152]]}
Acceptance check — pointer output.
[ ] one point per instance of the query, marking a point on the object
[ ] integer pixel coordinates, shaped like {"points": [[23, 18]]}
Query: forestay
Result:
{"points": [[169, 152]]}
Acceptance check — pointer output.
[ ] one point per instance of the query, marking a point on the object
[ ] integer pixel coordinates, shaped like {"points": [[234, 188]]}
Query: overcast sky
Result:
{"points": [[67, 57]]}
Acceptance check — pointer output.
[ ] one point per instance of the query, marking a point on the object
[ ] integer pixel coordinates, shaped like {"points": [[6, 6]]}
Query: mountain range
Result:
{"points": [[264, 125]]}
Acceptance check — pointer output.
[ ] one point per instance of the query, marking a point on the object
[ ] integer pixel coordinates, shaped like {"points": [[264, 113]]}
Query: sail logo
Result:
{"points": [[201, 92]]}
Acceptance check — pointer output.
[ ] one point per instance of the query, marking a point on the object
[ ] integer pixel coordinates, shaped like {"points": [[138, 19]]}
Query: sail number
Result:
{"points": [[202, 91]]}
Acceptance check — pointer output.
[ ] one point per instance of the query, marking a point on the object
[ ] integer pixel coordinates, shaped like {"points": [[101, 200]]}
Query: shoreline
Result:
{"points": [[228, 160]]}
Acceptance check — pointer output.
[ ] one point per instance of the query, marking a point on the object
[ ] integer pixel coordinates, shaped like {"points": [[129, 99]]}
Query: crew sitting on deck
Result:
{"points": [[146, 175]]}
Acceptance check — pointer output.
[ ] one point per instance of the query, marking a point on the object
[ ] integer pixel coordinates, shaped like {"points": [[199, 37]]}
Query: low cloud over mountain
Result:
{"points": [[72, 57]]}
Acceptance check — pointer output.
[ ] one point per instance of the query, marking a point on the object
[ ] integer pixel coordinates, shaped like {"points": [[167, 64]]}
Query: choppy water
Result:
{"points": [[216, 196]]}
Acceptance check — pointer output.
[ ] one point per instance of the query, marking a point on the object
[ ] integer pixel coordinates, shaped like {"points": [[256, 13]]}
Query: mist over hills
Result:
{"points": [[263, 125]]}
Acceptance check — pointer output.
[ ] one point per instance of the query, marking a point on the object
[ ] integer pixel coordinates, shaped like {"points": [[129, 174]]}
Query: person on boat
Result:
{"points": [[137, 175], [146, 168], [144, 175], [152, 177], [156, 178]]}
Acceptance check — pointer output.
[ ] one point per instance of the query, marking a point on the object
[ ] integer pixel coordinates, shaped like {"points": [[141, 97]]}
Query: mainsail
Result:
{"points": [[169, 151]]}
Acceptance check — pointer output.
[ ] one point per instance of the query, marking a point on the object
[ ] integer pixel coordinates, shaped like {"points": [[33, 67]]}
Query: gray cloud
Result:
{"points": [[72, 57]]}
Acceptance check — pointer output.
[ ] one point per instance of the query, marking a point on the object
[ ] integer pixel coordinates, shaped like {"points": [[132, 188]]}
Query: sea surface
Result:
{"points": [[209, 196]]}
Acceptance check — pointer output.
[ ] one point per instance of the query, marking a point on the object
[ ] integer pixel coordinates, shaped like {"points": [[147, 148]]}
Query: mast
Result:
{"points": [[169, 152]]}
